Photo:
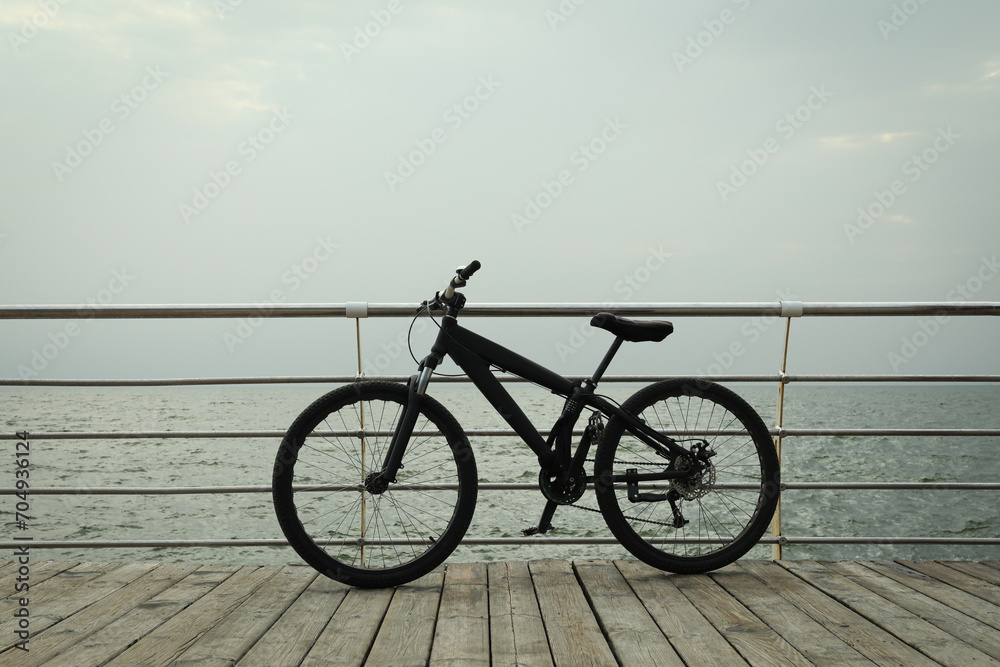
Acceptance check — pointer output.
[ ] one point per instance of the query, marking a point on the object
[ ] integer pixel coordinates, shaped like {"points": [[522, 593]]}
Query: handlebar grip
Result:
{"points": [[461, 275], [467, 272]]}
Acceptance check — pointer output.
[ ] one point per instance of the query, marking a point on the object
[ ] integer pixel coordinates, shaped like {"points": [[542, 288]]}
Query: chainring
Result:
{"points": [[563, 494]]}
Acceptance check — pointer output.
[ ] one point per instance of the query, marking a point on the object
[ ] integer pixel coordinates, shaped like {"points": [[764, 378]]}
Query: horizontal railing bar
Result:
{"points": [[899, 432], [493, 486], [884, 378], [344, 379], [498, 432], [768, 308], [967, 541], [490, 541], [892, 486]]}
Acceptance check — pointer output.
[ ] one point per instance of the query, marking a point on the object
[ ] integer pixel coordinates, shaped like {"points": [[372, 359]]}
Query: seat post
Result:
{"points": [[596, 377]]}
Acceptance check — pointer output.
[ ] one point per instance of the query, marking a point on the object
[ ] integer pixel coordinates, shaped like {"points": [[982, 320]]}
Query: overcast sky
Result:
{"points": [[228, 151]]}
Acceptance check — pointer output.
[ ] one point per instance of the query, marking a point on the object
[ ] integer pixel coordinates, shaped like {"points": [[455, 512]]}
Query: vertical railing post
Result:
{"points": [[357, 310], [789, 309]]}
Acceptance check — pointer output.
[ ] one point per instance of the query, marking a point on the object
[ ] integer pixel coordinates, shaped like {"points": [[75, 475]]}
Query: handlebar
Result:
{"points": [[462, 274], [465, 272]]}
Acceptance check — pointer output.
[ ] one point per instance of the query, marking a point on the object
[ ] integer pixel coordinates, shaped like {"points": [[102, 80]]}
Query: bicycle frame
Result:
{"points": [[476, 355]]}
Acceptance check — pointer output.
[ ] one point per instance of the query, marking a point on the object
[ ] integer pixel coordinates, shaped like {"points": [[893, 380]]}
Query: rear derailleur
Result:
{"points": [[696, 484]]}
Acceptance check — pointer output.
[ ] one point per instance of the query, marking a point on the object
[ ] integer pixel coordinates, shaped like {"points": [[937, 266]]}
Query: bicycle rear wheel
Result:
{"points": [[726, 509], [356, 533]]}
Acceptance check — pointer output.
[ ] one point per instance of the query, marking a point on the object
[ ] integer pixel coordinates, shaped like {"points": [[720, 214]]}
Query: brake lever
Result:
{"points": [[433, 304]]}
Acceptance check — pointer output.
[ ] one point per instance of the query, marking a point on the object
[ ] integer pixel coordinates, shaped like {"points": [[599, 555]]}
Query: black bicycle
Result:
{"points": [[375, 483]]}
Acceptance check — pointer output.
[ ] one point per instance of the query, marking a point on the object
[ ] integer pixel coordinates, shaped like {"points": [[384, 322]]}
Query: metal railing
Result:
{"points": [[783, 309]]}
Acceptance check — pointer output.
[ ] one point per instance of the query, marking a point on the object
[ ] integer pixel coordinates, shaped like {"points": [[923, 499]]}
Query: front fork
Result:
{"points": [[417, 387]]}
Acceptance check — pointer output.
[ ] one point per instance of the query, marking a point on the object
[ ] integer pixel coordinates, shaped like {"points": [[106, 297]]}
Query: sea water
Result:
{"points": [[242, 461]]}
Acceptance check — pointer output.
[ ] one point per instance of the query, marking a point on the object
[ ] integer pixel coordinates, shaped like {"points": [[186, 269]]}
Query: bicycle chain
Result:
{"points": [[597, 511]]}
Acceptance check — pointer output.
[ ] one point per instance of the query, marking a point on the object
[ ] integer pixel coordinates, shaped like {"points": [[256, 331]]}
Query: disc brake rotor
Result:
{"points": [[696, 486]]}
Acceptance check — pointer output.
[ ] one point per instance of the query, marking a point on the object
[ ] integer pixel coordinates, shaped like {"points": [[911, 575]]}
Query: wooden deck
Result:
{"points": [[516, 613]]}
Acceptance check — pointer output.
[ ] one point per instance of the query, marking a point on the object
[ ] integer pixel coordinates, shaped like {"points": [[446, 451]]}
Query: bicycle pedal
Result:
{"points": [[536, 530]]}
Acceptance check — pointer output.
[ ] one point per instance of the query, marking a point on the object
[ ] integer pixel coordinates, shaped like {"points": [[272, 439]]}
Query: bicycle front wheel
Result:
{"points": [[689, 525], [352, 531]]}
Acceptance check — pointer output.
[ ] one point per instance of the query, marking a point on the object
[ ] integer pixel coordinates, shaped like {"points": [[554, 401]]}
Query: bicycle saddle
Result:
{"points": [[632, 330]]}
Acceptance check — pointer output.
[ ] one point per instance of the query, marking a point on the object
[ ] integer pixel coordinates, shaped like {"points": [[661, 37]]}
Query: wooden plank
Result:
{"points": [[956, 599], [39, 572], [8, 568], [351, 630], [49, 592], [955, 623], [148, 614], [978, 570], [286, 643], [960, 580], [517, 635], [118, 635], [867, 638], [574, 635], [915, 631], [633, 634], [462, 636], [756, 642], [234, 635], [694, 638], [96, 616], [166, 642], [811, 639], [408, 628], [85, 587]]}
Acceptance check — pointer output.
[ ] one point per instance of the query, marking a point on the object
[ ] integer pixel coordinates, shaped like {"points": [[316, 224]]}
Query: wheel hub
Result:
{"points": [[376, 483]]}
